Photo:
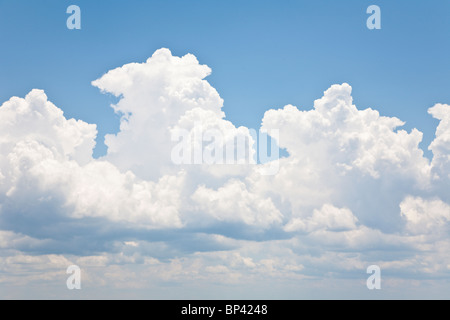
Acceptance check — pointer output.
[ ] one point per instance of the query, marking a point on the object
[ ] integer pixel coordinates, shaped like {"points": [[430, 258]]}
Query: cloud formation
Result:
{"points": [[355, 189]]}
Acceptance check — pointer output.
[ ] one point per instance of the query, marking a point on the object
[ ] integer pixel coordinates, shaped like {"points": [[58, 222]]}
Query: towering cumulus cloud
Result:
{"points": [[163, 94], [355, 189]]}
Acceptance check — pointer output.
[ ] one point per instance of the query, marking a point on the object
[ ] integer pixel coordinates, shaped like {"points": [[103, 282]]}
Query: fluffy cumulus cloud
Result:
{"points": [[47, 169], [441, 145], [161, 99], [179, 198]]}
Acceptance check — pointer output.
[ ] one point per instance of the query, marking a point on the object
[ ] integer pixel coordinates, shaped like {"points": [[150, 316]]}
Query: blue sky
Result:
{"points": [[264, 54], [351, 190]]}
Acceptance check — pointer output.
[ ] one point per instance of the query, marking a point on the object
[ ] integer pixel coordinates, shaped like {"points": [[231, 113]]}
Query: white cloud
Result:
{"points": [[425, 216], [441, 144], [346, 157], [235, 203], [154, 96], [327, 218], [353, 190], [46, 160], [336, 135], [37, 119]]}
